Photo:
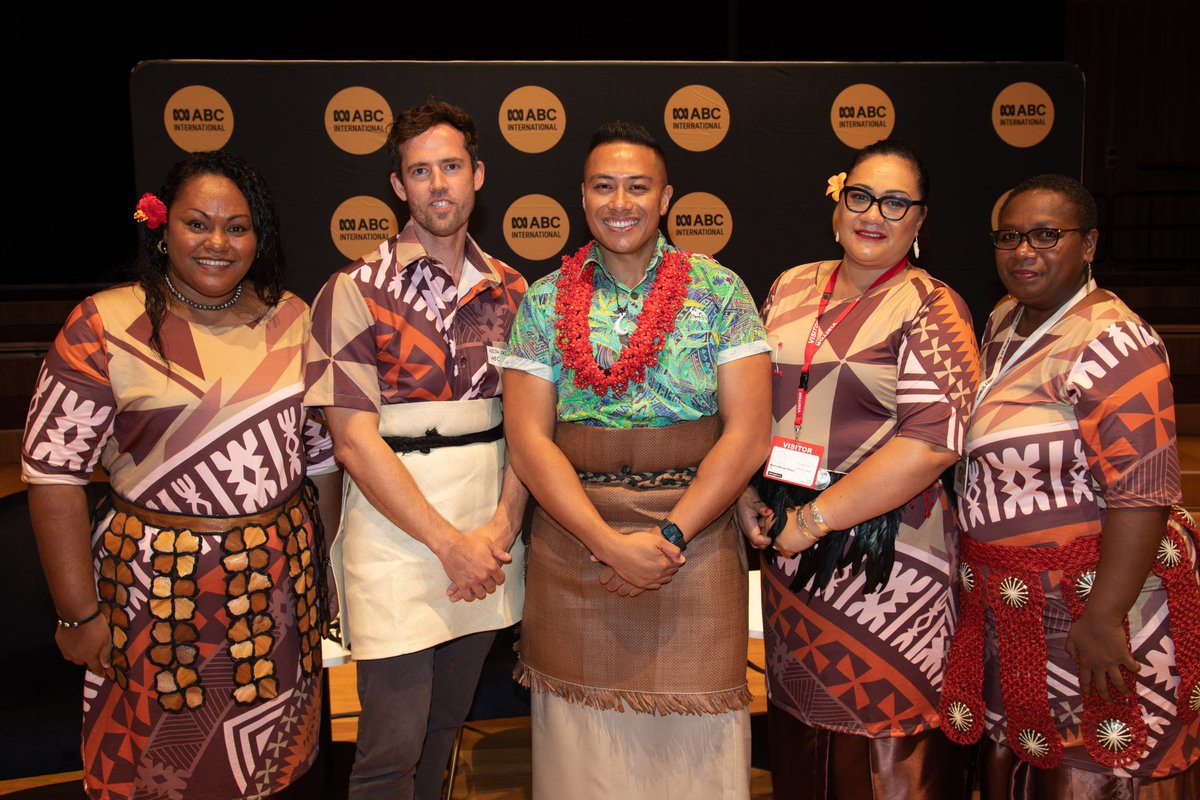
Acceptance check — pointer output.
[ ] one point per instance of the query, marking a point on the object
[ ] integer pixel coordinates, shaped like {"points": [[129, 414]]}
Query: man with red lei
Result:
{"points": [[636, 402]]}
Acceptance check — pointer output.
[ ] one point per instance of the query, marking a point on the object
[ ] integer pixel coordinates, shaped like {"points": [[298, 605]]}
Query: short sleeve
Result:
{"points": [[72, 412], [340, 364], [318, 444], [937, 372], [740, 331], [531, 340], [1120, 386]]}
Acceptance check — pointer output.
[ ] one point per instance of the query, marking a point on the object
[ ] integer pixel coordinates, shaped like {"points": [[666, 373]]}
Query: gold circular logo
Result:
{"points": [[536, 227], [532, 119], [700, 222], [696, 118], [360, 223], [1022, 114], [198, 118], [357, 120], [862, 114]]}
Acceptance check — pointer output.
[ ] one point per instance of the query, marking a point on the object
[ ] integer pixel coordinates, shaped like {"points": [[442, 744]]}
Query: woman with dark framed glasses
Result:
{"points": [[1078, 648], [874, 370]]}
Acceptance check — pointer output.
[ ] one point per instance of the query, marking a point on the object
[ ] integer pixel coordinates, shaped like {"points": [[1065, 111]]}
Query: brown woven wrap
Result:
{"points": [[678, 650]]}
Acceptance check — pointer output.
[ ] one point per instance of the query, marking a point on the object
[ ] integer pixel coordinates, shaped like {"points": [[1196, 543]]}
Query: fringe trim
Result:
{"points": [[660, 703]]}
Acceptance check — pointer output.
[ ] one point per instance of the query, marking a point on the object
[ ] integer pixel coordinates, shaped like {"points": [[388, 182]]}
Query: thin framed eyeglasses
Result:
{"points": [[891, 207], [1038, 238]]}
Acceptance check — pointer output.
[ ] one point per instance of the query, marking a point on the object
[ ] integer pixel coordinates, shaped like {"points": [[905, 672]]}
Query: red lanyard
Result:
{"points": [[817, 335]]}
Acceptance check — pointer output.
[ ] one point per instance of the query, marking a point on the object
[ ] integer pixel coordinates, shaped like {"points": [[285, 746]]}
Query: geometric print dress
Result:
{"points": [[206, 564], [903, 362], [1081, 422]]}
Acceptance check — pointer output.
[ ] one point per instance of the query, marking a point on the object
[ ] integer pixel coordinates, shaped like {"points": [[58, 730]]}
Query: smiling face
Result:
{"points": [[625, 192], [210, 239], [437, 181], [870, 241], [1042, 280]]}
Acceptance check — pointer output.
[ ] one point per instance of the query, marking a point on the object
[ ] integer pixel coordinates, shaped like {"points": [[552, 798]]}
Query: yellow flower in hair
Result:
{"points": [[836, 184]]}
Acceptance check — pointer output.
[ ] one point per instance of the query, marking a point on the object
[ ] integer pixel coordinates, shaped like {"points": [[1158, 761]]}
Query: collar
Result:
{"points": [[596, 256], [408, 250]]}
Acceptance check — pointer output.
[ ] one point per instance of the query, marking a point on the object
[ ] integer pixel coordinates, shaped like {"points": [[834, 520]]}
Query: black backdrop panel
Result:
{"points": [[769, 170]]}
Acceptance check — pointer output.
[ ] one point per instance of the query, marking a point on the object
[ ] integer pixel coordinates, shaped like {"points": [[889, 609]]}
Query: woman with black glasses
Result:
{"points": [[1078, 643], [875, 369]]}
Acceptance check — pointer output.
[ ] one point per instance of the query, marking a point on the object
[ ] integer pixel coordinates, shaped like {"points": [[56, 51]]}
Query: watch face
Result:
{"points": [[671, 533]]}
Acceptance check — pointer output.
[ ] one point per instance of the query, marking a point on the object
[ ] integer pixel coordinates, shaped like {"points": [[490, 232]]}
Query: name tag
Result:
{"points": [[496, 355], [797, 463]]}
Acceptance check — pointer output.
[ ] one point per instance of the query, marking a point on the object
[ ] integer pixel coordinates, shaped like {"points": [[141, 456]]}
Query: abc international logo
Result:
{"points": [[198, 118], [700, 222], [862, 114], [357, 120], [1022, 114], [360, 223], [532, 119], [696, 118], [536, 227]]}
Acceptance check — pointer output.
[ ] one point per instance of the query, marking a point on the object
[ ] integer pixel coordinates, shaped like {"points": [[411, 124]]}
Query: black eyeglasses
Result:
{"points": [[1038, 238], [891, 207]]}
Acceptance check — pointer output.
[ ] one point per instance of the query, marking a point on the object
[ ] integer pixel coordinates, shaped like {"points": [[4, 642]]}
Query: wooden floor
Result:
{"points": [[494, 762]]}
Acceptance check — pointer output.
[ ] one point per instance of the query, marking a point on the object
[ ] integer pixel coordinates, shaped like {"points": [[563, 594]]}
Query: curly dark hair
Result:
{"points": [[630, 132], [267, 271], [1076, 193], [892, 147], [412, 122]]}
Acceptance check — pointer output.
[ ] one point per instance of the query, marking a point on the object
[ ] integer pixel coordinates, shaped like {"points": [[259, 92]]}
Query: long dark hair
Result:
{"points": [[892, 147], [267, 270]]}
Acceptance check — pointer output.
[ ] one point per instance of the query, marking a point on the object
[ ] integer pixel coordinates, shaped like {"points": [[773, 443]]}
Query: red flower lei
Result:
{"points": [[657, 320]]}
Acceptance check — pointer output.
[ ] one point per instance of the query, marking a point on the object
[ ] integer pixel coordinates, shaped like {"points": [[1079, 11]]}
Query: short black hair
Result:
{"points": [[413, 121], [622, 131], [1086, 215]]}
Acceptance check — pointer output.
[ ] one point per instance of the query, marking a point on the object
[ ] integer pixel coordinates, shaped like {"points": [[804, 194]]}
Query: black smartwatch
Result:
{"points": [[672, 534]]}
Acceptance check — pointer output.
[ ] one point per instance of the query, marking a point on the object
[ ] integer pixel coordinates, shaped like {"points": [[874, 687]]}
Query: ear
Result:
{"points": [[1090, 240], [478, 175], [665, 201], [398, 187], [921, 222]]}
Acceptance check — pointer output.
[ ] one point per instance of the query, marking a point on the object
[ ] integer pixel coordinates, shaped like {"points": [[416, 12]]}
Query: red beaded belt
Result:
{"points": [[1114, 732]]}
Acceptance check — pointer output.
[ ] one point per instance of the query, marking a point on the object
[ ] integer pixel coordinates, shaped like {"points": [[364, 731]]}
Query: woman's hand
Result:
{"points": [[792, 540], [1097, 639], [1101, 650], [752, 518], [90, 645]]}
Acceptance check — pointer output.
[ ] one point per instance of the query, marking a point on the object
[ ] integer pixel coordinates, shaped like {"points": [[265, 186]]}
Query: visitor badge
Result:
{"points": [[496, 355], [797, 463]]}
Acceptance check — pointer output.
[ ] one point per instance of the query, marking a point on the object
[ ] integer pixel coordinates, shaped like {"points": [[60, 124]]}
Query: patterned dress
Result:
{"points": [[902, 363], [1083, 421], [204, 564]]}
